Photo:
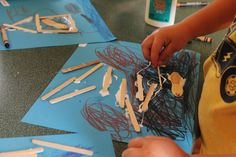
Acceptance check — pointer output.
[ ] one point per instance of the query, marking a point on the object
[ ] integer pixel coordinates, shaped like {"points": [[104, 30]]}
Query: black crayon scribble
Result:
{"points": [[167, 115], [103, 117]]}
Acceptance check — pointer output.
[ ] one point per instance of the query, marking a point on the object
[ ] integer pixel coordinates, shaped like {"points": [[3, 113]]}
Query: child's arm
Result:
{"points": [[217, 15], [162, 43], [154, 146]]}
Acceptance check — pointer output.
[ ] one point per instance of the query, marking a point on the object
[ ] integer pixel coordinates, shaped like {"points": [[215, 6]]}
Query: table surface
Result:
{"points": [[24, 74]]}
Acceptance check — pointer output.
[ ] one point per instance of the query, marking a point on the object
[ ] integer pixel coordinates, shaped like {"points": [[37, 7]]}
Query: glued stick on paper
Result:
{"points": [[26, 20], [120, 95], [144, 105], [159, 76], [78, 80], [48, 20], [21, 153], [177, 82], [19, 28], [107, 80], [139, 94], [63, 147], [73, 94], [57, 89], [52, 23], [132, 115], [37, 23], [84, 65]]}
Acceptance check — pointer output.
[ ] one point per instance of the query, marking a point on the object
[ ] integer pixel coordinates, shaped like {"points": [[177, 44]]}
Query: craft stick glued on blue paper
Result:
{"points": [[91, 27], [89, 141], [167, 115]]}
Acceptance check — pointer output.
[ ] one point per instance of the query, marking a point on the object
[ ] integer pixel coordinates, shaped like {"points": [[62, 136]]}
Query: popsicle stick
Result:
{"points": [[123, 93], [54, 16], [107, 81], [26, 20], [57, 89], [132, 115], [159, 76], [144, 105], [59, 31], [139, 94], [37, 23], [73, 94], [52, 23], [78, 80], [22, 153], [19, 28], [84, 65], [62, 147]]}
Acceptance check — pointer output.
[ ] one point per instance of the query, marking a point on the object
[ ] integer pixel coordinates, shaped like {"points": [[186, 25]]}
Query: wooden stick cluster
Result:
{"points": [[34, 151], [68, 27], [73, 80]]}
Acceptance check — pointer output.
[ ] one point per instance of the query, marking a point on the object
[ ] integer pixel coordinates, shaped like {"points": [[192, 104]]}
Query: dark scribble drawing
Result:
{"points": [[167, 115], [123, 59], [103, 117]]}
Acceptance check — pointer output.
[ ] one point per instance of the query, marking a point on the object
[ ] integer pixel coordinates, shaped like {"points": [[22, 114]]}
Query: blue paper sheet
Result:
{"points": [[167, 115], [89, 23], [82, 140]]}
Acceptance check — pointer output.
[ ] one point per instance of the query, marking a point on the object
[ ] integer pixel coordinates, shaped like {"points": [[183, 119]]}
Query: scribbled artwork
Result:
{"points": [[84, 140], [91, 27], [167, 114], [104, 117]]}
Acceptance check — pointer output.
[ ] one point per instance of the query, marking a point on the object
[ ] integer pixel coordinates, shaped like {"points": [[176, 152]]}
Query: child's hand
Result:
{"points": [[162, 43], [153, 146]]}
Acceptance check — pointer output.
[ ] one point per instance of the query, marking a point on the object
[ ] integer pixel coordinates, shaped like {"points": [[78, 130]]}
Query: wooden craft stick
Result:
{"points": [[139, 94], [58, 31], [72, 24], [83, 65], [159, 76], [132, 115], [152, 88], [37, 23], [123, 92], [73, 94], [63, 147], [19, 28], [107, 81], [54, 16], [26, 20], [57, 89], [177, 82], [22, 153], [78, 80], [52, 23]]}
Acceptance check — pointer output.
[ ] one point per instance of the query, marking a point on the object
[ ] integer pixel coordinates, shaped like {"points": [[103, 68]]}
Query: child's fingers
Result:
{"points": [[167, 53], [146, 47], [136, 142], [156, 50], [132, 152]]}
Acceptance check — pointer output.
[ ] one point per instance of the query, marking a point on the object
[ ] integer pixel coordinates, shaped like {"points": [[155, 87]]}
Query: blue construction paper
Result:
{"points": [[89, 23], [92, 111], [88, 140]]}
